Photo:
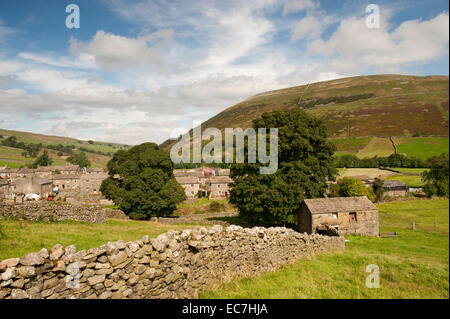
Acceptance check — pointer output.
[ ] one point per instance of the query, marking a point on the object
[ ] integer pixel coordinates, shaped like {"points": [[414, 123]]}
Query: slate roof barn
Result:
{"points": [[346, 215]]}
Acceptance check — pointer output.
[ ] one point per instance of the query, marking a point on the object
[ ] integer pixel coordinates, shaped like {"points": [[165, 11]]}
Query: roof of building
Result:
{"points": [[221, 180], [184, 173], [187, 179], [338, 204], [223, 172], [389, 184], [35, 179], [65, 176]]}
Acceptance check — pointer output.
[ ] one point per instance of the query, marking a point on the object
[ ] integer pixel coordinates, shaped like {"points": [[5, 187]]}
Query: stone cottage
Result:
{"points": [[394, 188], [220, 186], [66, 181], [342, 215], [91, 181], [190, 184]]}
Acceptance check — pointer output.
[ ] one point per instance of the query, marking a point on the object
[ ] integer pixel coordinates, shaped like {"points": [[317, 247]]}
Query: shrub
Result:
{"points": [[349, 187], [215, 206]]}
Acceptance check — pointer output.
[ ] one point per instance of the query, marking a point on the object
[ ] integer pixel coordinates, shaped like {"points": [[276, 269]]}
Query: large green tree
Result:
{"points": [[43, 160], [141, 182], [437, 178], [304, 164], [79, 159]]}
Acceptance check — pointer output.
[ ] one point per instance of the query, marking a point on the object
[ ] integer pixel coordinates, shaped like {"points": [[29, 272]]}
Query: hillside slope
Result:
{"points": [[99, 153], [376, 105]]}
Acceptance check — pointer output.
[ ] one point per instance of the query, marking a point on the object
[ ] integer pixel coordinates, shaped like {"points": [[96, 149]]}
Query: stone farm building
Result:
{"points": [[67, 178], [346, 215], [220, 186], [209, 181], [394, 188], [31, 185], [190, 184]]}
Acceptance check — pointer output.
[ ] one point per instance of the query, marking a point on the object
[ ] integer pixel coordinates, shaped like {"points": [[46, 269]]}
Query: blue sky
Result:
{"points": [[144, 70]]}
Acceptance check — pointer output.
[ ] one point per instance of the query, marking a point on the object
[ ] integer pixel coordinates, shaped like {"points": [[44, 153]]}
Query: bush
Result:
{"points": [[215, 207], [430, 190], [137, 216], [437, 178], [350, 187]]}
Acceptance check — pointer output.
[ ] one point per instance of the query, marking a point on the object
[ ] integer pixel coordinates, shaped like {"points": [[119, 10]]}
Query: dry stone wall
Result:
{"points": [[53, 211], [176, 264]]}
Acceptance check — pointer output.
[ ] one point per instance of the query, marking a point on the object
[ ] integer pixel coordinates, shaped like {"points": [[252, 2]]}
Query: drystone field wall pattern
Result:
{"points": [[54, 212], [176, 264]]}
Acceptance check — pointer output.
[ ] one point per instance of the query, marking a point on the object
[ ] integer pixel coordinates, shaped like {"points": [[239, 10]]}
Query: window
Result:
{"points": [[352, 216], [192, 193]]}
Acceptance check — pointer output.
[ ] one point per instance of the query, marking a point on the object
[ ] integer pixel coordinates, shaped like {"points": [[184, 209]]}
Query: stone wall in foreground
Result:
{"points": [[176, 264], [37, 210]]}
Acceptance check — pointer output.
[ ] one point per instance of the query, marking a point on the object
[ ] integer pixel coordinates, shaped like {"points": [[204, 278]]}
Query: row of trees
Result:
{"points": [[31, 150], [393, 160]]}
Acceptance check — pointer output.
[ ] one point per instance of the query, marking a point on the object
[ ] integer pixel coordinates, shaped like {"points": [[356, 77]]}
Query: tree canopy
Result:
{"points": [[437, 178], [79, 159], [350, 187], [304, 164], [43, 160], [141, 182]]}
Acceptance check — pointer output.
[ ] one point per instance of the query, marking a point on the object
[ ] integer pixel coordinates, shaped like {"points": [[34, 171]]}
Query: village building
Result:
{"points": [[91, 181], [31, 185], [394, 188], [66, 181], [344, 215], [190, 184], [220, 187], [223, 172], [4, 188]]}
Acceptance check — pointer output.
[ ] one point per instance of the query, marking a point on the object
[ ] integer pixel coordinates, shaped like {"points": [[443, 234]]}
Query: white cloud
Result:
{"points": [[292, 6], [355, 46], [309, 27], [112, 51]]}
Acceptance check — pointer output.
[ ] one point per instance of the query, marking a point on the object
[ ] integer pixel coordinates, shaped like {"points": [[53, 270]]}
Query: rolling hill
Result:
{"points": [[356, 109], [99, 153]]}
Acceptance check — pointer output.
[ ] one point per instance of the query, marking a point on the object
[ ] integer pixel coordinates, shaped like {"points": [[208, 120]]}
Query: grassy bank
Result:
{"points": [[413, 265], [18, 238]]}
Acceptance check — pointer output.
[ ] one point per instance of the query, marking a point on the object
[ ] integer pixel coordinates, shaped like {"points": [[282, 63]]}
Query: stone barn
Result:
{"points": [[341, 215], [394, 188]]}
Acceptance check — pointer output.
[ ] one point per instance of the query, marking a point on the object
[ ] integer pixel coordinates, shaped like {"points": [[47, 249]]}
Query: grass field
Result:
{"points": [[377, 147], [17, 238], [413, 265], [409, 180], [371, 172], [422, 147], [350, 144], [410, 170]]}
